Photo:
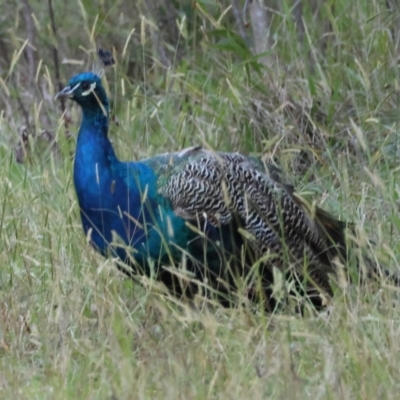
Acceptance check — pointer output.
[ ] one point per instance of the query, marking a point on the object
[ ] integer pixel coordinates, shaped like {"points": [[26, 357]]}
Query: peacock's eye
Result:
{"points": [[85, 86]]}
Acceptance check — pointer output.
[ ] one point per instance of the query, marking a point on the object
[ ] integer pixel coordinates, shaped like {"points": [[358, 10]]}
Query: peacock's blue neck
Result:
{"points": [[94, 153], [93, 136], [117, 196]]}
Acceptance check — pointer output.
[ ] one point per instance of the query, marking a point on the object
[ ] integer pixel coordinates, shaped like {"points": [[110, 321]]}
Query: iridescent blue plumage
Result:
{"points": [[110, 192], [212, 215]]}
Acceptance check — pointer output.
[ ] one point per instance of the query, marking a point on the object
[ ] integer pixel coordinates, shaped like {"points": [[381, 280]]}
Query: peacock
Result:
{"points": [[202, 222]]}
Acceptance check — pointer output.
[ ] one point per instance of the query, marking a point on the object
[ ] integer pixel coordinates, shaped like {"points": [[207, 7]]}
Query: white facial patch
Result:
{"points": [[75, 87], [90, 90]]}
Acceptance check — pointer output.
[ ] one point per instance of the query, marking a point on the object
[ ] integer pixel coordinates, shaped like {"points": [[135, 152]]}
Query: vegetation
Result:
{"points": [[316, 87]]}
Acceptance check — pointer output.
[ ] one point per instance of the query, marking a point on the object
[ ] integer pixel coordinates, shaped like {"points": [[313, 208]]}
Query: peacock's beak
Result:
{"points": [[66, 92]]}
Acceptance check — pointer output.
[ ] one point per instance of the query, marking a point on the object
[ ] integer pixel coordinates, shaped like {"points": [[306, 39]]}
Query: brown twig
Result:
{"points": [[238, 18], [261, 24], [4, 53], [55, 54], [298, 19], [160, 32], [30, 33]]}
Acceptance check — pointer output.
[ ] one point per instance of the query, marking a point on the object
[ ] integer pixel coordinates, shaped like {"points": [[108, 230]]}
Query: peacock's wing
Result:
{"points": [[217, 187], [330, 230]]}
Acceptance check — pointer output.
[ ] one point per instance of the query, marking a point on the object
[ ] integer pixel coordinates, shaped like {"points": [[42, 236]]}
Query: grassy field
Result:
{"points": [[322, 101]]}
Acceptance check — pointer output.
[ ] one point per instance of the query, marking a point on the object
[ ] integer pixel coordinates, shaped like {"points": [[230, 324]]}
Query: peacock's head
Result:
{"points": [[87, 90]]}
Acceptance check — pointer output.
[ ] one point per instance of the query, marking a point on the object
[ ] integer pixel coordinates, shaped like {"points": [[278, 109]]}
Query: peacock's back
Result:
{"points": [[217, 190]]}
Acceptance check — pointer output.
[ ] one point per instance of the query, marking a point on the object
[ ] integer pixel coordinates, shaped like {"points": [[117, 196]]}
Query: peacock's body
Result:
{"points": [[215, 215]]}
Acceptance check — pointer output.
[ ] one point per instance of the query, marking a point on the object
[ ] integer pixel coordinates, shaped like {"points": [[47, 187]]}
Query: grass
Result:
{"points": [[326, 109]]}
